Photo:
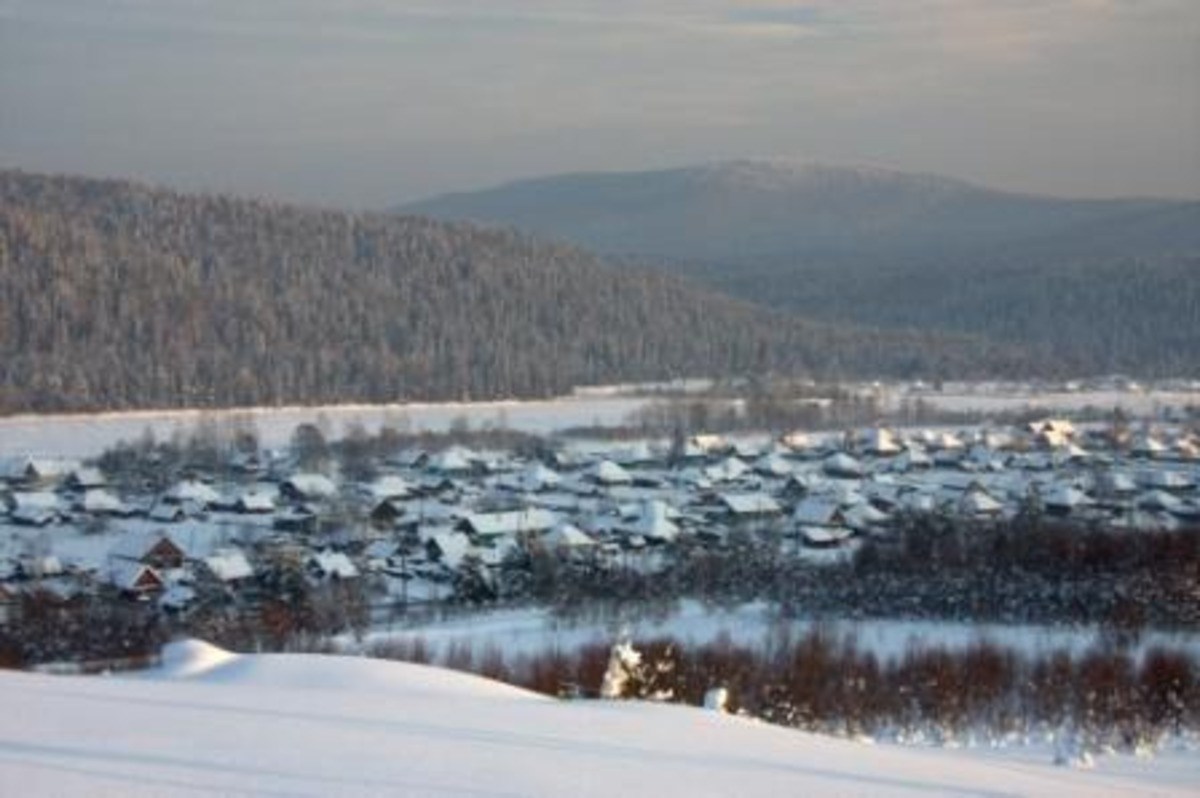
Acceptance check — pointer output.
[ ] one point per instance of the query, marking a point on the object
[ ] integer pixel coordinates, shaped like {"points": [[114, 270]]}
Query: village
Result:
{"points": [[418, 527]]}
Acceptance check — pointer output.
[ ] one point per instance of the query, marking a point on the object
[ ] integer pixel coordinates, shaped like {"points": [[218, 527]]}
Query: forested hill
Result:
{"points": [[1107, 285], [115, 295]]}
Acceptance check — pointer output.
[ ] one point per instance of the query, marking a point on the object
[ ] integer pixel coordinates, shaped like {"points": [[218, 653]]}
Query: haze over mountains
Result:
{"points": [[1099, 285], [116, 295]]}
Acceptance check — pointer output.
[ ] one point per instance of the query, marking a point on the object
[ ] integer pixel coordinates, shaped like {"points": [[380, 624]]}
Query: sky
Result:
{"points": [[369, 103]]}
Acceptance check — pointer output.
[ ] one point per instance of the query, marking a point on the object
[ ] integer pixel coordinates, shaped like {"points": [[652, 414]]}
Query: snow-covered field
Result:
{"points": [[210, 723], [86, 435]]}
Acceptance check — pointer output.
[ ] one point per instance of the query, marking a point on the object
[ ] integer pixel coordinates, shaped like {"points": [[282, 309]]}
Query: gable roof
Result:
{"points": [[532, 519]]}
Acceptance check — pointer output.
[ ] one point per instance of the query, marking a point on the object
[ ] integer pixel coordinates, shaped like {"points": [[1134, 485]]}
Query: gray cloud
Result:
{"points": [[368, 102]]}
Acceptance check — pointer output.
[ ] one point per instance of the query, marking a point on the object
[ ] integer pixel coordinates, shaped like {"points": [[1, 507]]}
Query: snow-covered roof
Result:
{"points": [[229, 565], [191, 490], [334, 564], [750, 504], [653, 521], [311, 486], [818, 511], [137, 543], [825, 535], [607, 472], [451, 461], [131, 575], [390, 486], [773, 465], [98, 501], [452, 546], [568, 536], [88, 477], [978, 502], [510, 523], [841, 464], [256, 502], [728, 470]]}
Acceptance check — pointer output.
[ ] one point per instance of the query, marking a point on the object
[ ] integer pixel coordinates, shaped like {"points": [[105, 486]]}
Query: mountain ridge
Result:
{"points": [[872, 246]]}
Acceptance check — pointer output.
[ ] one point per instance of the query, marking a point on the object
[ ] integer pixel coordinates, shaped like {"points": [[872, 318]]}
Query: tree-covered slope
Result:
{"points": [[115, 295], [1105, 285]]}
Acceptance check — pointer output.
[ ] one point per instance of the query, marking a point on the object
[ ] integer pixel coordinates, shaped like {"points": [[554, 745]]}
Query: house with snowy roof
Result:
{"points": [[308, 487], [532, 520], [85, 478], [331, 565], [132, 577], [101, 502], [748, 506], [40, 508], [155, 548], [194, 492], [229, 565], [568, 538], [606, 472], [842, 466]]}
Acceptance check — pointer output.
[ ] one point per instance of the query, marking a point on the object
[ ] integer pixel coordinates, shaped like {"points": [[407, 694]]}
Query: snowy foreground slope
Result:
{"points": [[213, 723]]}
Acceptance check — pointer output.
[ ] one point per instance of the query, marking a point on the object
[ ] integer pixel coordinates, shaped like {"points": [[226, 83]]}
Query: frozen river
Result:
{"points": [[86, 435]]}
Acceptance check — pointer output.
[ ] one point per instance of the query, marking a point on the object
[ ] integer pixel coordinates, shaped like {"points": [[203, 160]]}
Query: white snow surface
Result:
{"points": [[87, 435], [213, 723]]}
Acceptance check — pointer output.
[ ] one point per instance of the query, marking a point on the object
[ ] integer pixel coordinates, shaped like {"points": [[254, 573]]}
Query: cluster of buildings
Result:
{"points": [[70, 531]]}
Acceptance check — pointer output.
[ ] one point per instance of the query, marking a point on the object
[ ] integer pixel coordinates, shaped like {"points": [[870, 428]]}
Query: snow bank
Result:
{"points": [[212, 722]]}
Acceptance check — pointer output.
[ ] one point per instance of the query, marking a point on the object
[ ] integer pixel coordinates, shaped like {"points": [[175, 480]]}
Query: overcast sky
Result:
{"points": [[372, 102]]}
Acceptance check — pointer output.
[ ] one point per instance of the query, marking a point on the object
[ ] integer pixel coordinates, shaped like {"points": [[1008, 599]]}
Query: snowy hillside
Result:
{"points": [[211, 722]]}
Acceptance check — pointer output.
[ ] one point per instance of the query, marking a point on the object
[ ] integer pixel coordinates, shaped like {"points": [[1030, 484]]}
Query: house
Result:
{"points": [[879, 442], [455, 461], [301, 519], [390, 486], [1165, 479], [730, 469], [652, 522], [156, 549], [773, 465], [36, 472], [332, 565], [229, 566], [566, 537], [254, 503], [133, 577], [448, 547], [537, 478], [819, 511], [825, 537], [193, 492], [913, 458], [35, 509], [43, 566], [308, 488], [386, 513], [516, 522], [606, 472], [86, 478], [976, 502], [168, 513], [865, 517], [842, 466], [100, 502], [742, 506], [1148, 446], [1065, 499]]}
